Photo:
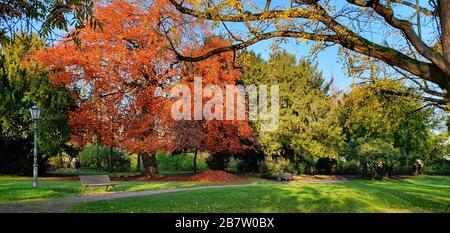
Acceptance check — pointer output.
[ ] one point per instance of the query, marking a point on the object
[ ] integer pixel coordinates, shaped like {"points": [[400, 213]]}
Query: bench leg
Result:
{"points": [[107, 187]]}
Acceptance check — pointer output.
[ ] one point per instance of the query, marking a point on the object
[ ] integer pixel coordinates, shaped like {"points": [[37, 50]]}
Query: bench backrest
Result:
{"points": [[100, 179]]}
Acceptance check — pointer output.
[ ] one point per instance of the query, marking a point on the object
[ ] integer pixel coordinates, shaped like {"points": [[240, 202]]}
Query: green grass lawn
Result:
{"points": [[20, 188], [73, 172], [420, 194]]}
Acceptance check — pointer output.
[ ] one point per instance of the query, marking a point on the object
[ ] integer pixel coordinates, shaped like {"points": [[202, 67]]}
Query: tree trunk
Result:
{"points": [[110, 159], [149, 162], [373, 172], [365, 170], [444, 17], [138, 164], [195, 161], [97, 166], [70, 162]]}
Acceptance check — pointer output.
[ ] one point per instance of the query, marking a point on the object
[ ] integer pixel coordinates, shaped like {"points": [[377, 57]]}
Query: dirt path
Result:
{"points": [[61, 205]]}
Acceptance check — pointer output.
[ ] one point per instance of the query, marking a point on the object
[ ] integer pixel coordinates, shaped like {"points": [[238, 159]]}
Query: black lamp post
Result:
{"points": [[35, 114]]}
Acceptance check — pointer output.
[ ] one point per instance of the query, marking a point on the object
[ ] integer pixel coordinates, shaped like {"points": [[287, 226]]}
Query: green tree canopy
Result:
{"points": [[395, 124], [22, 85], [308, 127]]}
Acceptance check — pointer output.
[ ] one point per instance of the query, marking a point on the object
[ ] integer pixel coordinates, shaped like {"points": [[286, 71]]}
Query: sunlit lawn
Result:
{"points": [[19, 188], [421, 194], [72, 172]]}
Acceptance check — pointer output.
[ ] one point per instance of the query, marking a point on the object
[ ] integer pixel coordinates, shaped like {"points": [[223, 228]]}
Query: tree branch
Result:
{"points": [[257, 38], [408, 29], [421, 9], [437, 72]]}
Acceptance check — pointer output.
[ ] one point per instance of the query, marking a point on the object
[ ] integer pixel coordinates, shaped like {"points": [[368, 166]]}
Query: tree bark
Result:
{"points": [[149, 162], [444, 17], [110, 159], [373, 172], [138, 164], [97, 165], [195, 161]]}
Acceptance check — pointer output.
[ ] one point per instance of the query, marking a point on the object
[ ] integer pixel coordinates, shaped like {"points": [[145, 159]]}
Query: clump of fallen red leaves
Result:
{"points": [[216, 176], [210, 176]]}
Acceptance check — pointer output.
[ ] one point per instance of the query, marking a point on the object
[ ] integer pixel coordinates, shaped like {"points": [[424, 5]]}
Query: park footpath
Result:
{"points": [[60, 205]]}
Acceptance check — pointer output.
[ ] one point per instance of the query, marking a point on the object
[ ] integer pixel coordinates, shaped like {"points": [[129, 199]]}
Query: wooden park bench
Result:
{"points": [[285, 177], [99, 180]]}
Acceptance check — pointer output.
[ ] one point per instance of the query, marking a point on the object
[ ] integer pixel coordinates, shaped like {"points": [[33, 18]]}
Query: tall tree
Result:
{"points": [[121, 77], [23, 83], [308, 127], [371, 118]]}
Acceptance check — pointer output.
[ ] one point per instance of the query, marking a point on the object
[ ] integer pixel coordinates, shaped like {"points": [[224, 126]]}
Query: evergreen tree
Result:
{"points": [[22, 84], [308, 127]]}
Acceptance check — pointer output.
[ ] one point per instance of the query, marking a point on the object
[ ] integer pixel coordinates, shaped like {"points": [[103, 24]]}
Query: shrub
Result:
{"points": [[350, 167], [270, 167], [179, 162], [60, 161], [438, 168], [236, 165], [403, 170], [133, 161], [89, 159]]}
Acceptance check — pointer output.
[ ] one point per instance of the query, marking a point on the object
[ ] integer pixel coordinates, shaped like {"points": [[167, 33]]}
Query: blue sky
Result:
{"points": [[327, 60]]}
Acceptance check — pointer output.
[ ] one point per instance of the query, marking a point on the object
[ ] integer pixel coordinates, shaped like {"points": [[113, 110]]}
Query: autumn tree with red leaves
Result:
{"points": [[212, 136], [120, 77]]}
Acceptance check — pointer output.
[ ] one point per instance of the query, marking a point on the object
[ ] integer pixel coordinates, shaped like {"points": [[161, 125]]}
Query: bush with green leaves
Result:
{"points": [[60, 161], [271, 166], [179, 162], [438, 168], [91, 158], [351, 167], [236, 165], [380, 156]]}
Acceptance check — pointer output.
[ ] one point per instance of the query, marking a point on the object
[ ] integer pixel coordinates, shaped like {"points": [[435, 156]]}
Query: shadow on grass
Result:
{"points": [[351, 196]]}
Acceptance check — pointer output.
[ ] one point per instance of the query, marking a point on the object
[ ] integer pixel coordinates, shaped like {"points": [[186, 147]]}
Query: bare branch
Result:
{"points": [[267, 6], [421, 9]]}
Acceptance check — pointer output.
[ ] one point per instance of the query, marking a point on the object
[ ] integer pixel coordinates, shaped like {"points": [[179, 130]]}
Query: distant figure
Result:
{"points": [[420, 164], [77, 165], [418, 167]]}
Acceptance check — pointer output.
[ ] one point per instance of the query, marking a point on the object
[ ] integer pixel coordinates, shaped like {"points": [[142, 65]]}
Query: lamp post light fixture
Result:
{"points": [[35, 114]]}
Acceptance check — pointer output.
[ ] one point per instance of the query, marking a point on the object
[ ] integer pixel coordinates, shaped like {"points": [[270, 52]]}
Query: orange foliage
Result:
{"points": [[116, 73]]}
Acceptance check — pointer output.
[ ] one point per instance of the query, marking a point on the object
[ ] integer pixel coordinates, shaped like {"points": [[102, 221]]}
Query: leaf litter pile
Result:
{"points": [[210, 176], [216, 176]]}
